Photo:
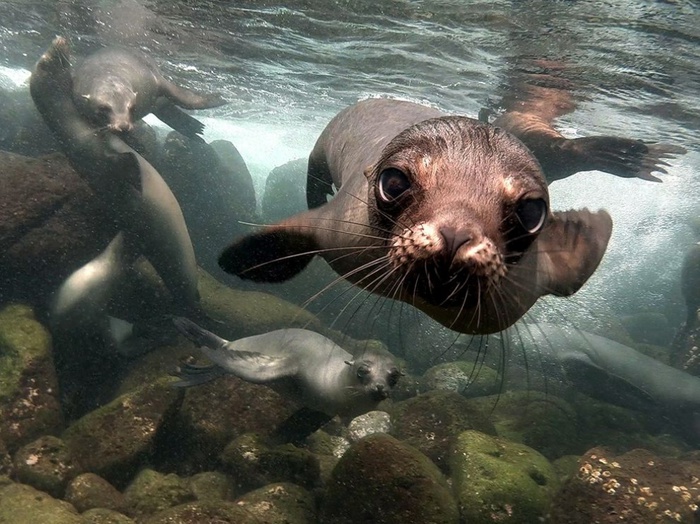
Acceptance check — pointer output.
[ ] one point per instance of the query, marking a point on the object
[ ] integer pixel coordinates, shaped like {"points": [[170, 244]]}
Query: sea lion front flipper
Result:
{"points": [[170, 114], [570, 248], [189, 99], [623, 157], [274, 254], [597, 382], [193, 375]]}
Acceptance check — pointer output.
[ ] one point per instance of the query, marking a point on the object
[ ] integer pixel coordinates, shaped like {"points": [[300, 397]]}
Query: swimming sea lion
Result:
{"points": [[116, 86], [610, 371], [130, 188], [299, 364], [445, 213]]}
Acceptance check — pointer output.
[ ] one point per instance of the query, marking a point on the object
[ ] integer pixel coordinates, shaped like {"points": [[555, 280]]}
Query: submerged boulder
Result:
{"points": [[281, 503], [23, 504], [46, 464], [285, 191], [151, 492], [29, 405], [384, 481], [89, 491]]}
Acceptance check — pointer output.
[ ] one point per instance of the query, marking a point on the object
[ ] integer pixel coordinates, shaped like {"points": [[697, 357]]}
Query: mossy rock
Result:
{"points": [[220, 512], [105, 516], [47, 465], [89, 491], [21, 504], [281, 503], [254, 464], [151, 492], [470, 379], [115, 439], [496, 480], [385, 481], [210, 486], [29, 405], [431, 421]]}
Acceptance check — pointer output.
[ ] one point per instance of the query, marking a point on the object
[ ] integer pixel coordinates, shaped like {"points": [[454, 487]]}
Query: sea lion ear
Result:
{"points": [[570, 248], [368, 172], [274, 254]]}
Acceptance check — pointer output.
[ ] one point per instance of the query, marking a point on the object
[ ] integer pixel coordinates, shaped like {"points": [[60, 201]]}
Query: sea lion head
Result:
{"points": [[372, 375], [462, 202], [108, 102]]}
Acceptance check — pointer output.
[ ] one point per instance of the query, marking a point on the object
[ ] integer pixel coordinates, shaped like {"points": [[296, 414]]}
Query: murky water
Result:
{"points": [[286, 70]]}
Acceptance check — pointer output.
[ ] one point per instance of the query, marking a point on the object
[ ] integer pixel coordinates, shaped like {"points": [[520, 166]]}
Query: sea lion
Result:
{"points": [[299, 364], [610, 371], [116, 86], [445, 213], [131, 190]]}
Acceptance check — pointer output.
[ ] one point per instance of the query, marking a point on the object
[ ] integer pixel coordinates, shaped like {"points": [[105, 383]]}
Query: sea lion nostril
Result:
{"points": [[454, 239]]}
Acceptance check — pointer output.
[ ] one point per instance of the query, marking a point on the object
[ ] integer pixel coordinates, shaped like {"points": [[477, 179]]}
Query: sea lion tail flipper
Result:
{"points": [[198, 335], [193, 375], [170, 114], [189, 99], [274, 254], [570, 248], [623, 157]]}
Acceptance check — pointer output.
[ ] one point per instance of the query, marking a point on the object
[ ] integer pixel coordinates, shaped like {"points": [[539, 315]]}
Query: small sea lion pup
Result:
{"points": [[116, 86], [300, 364], [446, 213]]}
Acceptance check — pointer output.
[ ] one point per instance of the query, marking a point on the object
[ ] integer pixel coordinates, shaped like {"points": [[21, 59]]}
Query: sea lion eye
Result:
{"points": [[362, 372], [392, 184], [394, 378], [531, 214]]}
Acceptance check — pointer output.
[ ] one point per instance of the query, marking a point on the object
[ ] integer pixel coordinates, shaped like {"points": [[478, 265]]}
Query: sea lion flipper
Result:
{"points": [[189, 99], [169, 113], [193, 375], [570, 248], [197, 334], [623, 157], [274, 254]]}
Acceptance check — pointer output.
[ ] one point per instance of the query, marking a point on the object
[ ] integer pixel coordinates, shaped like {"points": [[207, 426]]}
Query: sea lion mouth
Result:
{"points": [[444, 288]]}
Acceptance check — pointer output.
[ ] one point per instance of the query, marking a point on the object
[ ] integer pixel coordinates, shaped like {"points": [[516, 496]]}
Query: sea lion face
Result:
{"points": [[374, 374], [110, 104], [462, 203]]}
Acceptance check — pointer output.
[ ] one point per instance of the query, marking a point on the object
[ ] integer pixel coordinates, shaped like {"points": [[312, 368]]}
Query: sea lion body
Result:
{"points": [[115, 87], [610, 371], [300, 364], [130, 188], [442, 212]]}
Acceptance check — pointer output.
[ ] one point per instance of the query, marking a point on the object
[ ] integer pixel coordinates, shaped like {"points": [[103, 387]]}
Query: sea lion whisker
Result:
{"points": [[318, 228], [353, 223]]}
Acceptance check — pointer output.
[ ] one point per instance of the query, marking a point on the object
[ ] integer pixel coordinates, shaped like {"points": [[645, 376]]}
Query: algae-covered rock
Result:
{"points": [[281, 503], [88, 491], [369, 423], [113, 440], [151, 492], [432, 420], [47, 465], [105, 516], [636, 487], [285, 191], [253, 463], [495, 480], [29, 405], [471, 379], [220, 512], [210, 486], [22, 504], [384, 481]]}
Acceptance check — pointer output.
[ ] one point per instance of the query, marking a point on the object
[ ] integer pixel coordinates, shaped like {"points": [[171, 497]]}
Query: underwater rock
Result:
{"points": [[6, 469], [280, 503], [496, 480], [22, 130], [217, 412], [470, 379], [24, 504], [285, 191], [253, 463], [649, 328], [384, 481], [637, 487], [47, 465], [214, 189], [220, 512], [210, 486], [50, 224], [368, 424], [115, 439], [29, 405], [89, 491], [105, 516], [151, 492], [432, 420]]}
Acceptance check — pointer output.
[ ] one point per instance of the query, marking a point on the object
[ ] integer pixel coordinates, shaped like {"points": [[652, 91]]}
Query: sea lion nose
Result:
{"points": [[380, 392], [454, 239]]}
